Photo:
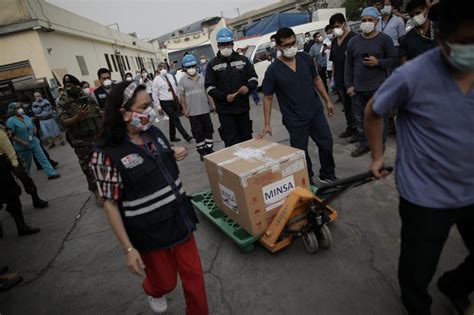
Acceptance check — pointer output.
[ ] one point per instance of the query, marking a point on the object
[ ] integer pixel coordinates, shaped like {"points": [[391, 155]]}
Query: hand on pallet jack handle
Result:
{"points": [[378, 169]]}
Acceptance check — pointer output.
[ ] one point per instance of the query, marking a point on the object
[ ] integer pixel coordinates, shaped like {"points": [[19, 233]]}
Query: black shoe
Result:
{"points": [[359, 151], [54, 177], [175, 139], [38, 202], [209, 150], [39, 168], [28, 230], [62, 143], [460, 302], [52, 146], [347, 133], [54, 163], [188, 138], [7, 284]]}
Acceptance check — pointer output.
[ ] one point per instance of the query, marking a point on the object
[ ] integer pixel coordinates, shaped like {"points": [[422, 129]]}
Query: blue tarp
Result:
{"points": [[273, 23]]}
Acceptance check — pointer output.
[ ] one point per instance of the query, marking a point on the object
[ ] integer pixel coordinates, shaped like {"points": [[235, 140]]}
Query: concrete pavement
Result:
{"points": [[75, 265]]}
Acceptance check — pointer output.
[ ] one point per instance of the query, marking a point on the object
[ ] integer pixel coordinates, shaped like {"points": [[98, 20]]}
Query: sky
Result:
{"points": [[152, 18]]}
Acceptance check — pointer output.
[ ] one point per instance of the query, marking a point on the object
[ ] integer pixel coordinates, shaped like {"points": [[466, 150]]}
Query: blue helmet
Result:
{"points": [[224, 35], [189, 60]]}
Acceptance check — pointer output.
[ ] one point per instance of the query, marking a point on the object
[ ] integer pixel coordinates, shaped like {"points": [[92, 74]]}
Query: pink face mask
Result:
{"points": [[144, 120]]}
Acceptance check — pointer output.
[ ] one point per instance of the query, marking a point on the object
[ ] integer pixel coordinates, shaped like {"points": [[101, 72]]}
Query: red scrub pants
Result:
{"points": [[162, 267]]}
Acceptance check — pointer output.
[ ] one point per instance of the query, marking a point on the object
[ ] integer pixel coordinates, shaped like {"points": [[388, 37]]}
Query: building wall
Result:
{"points": [[61, 51], [24, 46]]}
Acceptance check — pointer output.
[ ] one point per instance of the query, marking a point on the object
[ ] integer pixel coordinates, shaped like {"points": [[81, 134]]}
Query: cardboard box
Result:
{"points": [[251, 180]]}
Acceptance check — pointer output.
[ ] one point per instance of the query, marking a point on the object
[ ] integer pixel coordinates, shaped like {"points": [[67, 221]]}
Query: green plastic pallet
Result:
{"points": [[204, 203]]}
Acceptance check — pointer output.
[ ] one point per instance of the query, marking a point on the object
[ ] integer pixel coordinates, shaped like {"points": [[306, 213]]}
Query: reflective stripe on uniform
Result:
{"points": [[209, 89]]}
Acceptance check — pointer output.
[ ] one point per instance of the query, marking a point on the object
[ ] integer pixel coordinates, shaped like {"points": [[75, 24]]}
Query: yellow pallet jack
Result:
{"points": [[306, 215]]}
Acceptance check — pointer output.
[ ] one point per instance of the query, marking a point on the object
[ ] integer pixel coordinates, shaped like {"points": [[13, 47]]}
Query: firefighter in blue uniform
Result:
{"points": [[229, 78]]}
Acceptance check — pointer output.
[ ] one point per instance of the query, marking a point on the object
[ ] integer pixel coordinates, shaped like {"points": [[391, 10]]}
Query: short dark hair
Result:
{"points": [[413, 4], [284, 32], [450, 17], [337, 18], [273, 37], [315, 35], [101, 71], [327, 28], [307, 33]]}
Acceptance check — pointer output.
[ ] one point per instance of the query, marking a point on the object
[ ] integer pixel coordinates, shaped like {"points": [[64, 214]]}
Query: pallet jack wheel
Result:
{"points": [[310, 242], [325, 237]]}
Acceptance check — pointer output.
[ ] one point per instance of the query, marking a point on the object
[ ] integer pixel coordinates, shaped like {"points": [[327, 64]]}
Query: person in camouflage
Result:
{"points": [[82, 119]]}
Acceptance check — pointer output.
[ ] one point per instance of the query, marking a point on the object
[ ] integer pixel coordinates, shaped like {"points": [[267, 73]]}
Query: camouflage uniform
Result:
{"points": [[81, 136]]}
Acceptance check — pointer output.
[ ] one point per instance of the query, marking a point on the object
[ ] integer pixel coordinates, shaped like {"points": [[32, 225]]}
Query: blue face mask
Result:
{"points": [[462, 56]]}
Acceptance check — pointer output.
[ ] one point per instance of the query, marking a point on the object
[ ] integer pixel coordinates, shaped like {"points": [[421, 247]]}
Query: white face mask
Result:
{"points": [[338, 31], [420, 19], [163, 72], [191, 71], [272, 44], [320, 38], [20, 111], [306, 39], [85, 91], [367, 27], [330, 36], [386, 10], [107, 83], [290, 52], [129, 78], [226, 52], [144, 74], [203, 61]]}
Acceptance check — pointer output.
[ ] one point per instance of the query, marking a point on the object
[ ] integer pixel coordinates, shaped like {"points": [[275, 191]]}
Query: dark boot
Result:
{"points": [[202, 152], [38, 202], [23, 228]]}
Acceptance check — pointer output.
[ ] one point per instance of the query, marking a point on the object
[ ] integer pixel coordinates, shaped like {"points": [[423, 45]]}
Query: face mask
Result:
{"points": [[272, 44], [163, 72], [191, 71], [338, 31], [420, 19], [330, 36], [74, 91], [226, 52], [367, 27], [306, 39], [461, 56], [129, 78], [39, 99], [320, 38], [85, 91], [107, 83], [203, 61], [386, 10], [144, 74], [290, 52], [144, 120], [20, 111]]}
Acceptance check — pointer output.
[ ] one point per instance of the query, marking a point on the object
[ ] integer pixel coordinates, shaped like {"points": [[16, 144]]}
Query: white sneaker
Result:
{"points": [[158, 305], [166, 117], [157, 120]]}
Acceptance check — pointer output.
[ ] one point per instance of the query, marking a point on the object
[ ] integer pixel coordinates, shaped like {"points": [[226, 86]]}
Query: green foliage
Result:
{"points": [[354, 8]]}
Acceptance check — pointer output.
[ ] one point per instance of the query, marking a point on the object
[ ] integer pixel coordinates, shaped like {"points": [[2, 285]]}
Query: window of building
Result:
{"points": [[109, 66], [82, 65], [128, 64], [123, 62], [114, 62]]}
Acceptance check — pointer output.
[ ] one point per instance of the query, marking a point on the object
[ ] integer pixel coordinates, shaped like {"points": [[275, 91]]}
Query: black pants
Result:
{"points": [[318, 129], [9, 189], [424, 232], [324, 76], [347, 105], [235, 128], [171, 109], [202, 130]]}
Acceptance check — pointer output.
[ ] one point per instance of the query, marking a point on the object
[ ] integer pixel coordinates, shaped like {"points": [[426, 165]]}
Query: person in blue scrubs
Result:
{"points": [[294, 79], [25, 142], [434, 95]]}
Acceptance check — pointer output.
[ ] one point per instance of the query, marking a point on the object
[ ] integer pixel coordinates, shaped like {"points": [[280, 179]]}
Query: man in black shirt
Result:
{"points": [[308, 42], [421, 38], [100, 94], [342, 35]]}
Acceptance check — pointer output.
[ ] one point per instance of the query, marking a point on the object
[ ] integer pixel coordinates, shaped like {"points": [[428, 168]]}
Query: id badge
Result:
{"points": [[30, 138]]}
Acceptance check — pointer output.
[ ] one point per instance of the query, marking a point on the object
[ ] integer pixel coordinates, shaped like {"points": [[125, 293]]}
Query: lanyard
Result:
{"points": [[384, 25]]}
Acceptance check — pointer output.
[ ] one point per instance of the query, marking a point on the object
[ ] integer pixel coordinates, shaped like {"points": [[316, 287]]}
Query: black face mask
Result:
{"points": [[74, 91]]}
